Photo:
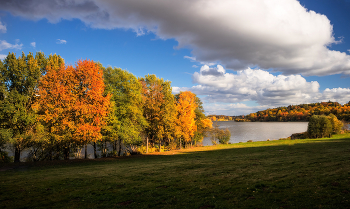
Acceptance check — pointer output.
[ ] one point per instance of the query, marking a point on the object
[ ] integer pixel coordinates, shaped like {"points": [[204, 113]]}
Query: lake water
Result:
{"points": [[259, 131]]}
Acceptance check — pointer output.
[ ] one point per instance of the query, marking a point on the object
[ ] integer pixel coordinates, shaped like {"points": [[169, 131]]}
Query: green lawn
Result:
{"points": [[310, 173]]}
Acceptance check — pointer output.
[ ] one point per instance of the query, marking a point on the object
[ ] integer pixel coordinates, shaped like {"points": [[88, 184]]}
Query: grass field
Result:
{"points": [[309, 173]]}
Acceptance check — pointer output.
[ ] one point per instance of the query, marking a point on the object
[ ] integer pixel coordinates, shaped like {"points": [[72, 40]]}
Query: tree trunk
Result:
{"points": [[115, 146], [95, 154], [17, 154], [66, 152], [147, 146], [120, 147], [85, 151], [160, 146], [180, 144], [105, 149]]}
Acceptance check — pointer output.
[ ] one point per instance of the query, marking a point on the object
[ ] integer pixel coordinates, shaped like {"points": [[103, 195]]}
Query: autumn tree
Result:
{"points": [[126, 120], [72, 105], [19, 80], [336, 124], [158, 109], [185, 121]]}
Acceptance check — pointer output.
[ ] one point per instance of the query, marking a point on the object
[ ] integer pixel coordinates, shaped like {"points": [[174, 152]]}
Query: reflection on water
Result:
{"points": [[259, 131]]}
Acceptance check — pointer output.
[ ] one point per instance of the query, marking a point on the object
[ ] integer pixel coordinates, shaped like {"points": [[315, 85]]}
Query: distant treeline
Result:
{"points": [[300, 112], [221, 117]]}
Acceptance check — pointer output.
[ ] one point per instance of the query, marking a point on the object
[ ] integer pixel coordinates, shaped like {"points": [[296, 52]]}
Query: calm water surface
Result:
{"points": [[259, 131]]}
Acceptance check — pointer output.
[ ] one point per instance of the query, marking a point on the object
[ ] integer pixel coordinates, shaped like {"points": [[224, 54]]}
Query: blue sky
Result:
{"points": [[237, 56]]}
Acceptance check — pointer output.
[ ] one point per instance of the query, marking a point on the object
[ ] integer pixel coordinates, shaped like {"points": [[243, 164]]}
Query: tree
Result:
{"points": [[72, 104], [159, 109], [336, 124], [126, 121], [19, 80], [319, 126], [185, 121]]}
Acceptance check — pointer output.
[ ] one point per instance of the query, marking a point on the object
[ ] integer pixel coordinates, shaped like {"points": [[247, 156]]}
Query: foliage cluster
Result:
{"points": [[54, 109]]}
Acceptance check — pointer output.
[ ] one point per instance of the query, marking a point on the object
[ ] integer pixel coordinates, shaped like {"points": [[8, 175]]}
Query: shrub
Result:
{"points": [[4, 158], [224, 136], [319, 126], [219, 136]]}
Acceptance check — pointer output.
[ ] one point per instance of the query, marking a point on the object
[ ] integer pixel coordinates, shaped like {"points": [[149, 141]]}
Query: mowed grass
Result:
{"points": [[310, 173]]}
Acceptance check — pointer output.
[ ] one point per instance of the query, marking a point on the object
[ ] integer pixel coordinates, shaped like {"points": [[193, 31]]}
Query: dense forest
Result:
{"points": [[53, 109]]}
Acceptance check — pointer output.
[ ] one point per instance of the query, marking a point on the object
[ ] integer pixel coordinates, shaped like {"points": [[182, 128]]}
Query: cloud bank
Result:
{"points": [[273, 34], [223, 91]]}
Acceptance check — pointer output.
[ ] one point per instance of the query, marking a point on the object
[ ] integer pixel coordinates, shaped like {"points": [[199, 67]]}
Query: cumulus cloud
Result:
{"points": [[2, 28], [33, 44], [232, 109], [268, 90], [61, 41], [5, 45], [272, 34]]}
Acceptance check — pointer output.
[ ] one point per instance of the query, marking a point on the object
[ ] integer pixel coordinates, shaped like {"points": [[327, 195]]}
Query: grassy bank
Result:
{"points": [[311, 173]]}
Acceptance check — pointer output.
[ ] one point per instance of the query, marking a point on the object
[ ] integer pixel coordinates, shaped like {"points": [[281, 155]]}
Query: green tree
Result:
{"points": [[126, 120], [19, 80], [319, 126]]}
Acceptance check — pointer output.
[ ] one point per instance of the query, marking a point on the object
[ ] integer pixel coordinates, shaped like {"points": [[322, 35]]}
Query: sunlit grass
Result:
{"points": [[309, 173]]}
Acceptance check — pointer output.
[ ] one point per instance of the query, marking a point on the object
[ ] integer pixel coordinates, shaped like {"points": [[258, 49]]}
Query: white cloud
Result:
{"points": [[5, 45], [61, 41], [2, 28], [33, 44], [231, 109], [3, 56], [272, 34], [226, 90]]}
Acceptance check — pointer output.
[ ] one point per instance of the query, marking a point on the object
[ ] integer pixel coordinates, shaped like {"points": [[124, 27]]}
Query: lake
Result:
{"points": [[259, 131]]}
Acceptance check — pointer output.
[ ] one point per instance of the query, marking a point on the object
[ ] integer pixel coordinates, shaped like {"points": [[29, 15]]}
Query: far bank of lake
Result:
{"points": [[259, 131]]}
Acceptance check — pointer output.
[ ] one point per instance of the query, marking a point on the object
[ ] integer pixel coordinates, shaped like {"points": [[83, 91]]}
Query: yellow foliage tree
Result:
{"points": [[185, 121]]}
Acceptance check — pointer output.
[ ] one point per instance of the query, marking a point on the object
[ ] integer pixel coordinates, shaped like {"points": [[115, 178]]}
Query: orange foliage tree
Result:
{"points": [[71, 103]]}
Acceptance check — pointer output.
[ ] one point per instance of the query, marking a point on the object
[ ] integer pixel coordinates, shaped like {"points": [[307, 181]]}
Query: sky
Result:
{"points": [[237, 56]]}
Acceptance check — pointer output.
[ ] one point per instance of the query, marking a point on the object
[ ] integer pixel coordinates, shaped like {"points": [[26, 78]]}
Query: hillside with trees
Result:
{"points": [[302, 112]]}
